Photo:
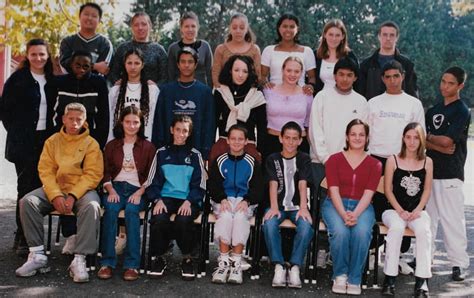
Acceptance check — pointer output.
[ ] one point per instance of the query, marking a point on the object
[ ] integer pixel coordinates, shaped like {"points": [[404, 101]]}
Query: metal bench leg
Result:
{"points": [[50, 228]]}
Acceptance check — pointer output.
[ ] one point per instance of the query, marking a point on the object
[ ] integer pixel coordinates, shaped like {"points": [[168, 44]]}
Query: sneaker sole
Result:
{"points": [[76, 280], [295, 286], [217, 281], [278, 285], [234, 282], [33, 273], [188, 277]]}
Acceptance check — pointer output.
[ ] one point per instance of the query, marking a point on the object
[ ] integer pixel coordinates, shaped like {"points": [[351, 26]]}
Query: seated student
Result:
{"points": [[70, 169], [289, 172], [352, 177], [408, 179], [177, 182], [127, 161], [235, 186]]}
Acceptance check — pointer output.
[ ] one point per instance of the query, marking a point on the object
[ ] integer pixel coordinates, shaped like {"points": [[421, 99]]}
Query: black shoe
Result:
{"points": [[187, 269], [158, 266], [20, 246], [388, 286], [419, 290], [458, 274]]}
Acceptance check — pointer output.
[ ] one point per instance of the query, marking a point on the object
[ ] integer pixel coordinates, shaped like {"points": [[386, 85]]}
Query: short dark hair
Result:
{"points": [[394, 64], [93, 5], [291, 125], [347, 63], [366, 129], [187, 50], [459, 73], [389, 24], [225, 77], [240, 128], [188, 15], [287, 16], [184, 119], [118, 128], [81, 53]]}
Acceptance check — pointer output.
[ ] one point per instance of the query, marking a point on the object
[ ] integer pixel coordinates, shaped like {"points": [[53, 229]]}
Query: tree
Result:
{"points": [[45, 19]]}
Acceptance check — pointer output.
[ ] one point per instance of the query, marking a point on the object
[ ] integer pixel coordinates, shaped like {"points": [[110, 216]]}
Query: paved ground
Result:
{"points": [[57, 282]]}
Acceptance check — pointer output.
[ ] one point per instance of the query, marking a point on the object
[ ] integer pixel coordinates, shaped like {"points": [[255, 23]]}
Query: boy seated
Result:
{"points": [[176, 186], [235, 186], [70, 168], [288, 172]]}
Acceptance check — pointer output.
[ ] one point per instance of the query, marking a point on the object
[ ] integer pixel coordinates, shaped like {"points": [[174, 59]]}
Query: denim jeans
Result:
{"points": [[349, 245], [132, 224], [304, 234]]}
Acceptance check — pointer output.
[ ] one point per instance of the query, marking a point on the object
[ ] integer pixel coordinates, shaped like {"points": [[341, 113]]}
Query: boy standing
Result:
{"points": [[288, 172], [70, 169]]}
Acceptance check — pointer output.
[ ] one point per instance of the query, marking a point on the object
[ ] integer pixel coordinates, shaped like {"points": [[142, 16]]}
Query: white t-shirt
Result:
{"points": [[274, 60], [132, 97], [129, 172], [43, 107], [326, 74], [388, 116]]}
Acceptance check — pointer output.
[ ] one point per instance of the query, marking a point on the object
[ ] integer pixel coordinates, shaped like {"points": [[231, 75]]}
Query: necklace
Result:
{"points": [[186, 86], [133, 90]]}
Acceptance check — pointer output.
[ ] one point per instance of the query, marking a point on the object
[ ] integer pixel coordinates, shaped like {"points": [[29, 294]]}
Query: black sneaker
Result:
{"points": [[458, 274], [187, 269], [158, 266]]}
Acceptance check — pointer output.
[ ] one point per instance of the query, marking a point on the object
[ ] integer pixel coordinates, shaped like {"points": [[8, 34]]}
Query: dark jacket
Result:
{"points": [[236, 176], [319, 84], [91, 91], [143, 154], [370, 82], [19, 107]]}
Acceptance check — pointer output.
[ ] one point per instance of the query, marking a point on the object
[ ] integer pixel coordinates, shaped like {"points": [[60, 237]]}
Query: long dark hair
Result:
{"points": [[291, 17], [225, 77], [118, 128], [144, 96], [48, 68]]}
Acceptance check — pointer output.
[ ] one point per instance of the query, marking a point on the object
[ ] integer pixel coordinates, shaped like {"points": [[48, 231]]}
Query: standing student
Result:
{"points": [[289, 172], [176, 186], [352, 177], [133, 90], [273, 56], [239, 102], [127, 160], [189, 27], [155, 59], [333, 45], [70, 168], [186, 96], [370, 83], [447, 124], [239, 41], [408, 179], [235, 187], [27, 113], [88, 40]]}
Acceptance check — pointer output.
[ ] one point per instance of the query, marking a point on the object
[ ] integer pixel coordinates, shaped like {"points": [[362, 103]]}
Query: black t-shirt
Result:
{"points": [[452, 121]]}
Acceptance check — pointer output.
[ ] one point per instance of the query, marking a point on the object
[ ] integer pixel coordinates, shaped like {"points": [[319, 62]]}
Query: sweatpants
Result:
{"points": [[35, 205]]}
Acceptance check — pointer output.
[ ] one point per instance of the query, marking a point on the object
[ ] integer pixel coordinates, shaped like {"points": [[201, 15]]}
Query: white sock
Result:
{"points": [[37, 249], [236, 257]]}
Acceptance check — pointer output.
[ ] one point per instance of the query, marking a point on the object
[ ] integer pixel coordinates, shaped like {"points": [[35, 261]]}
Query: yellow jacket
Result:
{"points": [[70, 164]]}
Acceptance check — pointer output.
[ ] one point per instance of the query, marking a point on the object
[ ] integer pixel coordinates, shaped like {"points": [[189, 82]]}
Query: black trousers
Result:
{"points": [[162, 230]]}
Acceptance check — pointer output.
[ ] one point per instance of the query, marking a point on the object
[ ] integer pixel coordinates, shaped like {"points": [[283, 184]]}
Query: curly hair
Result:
{"points": [[144, 96]]}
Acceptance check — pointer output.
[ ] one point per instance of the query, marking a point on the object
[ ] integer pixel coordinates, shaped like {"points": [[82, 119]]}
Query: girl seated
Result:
{"points": [[127, 160]]}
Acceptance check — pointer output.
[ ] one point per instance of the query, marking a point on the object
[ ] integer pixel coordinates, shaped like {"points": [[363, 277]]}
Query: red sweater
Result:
{"points": [[353, 182]]}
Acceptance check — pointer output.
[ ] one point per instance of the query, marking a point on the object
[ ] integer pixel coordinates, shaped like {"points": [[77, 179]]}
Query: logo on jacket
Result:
{"points": [[187, 160], [438, 120], [185, 104]]}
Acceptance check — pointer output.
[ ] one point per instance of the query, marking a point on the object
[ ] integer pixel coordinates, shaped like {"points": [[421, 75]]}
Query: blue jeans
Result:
{"points": [[132, 224], [349, 245], [304, 234]]}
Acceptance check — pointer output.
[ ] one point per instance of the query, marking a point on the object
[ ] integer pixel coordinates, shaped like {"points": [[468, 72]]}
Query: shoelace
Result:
{"points": [[222, 268]]}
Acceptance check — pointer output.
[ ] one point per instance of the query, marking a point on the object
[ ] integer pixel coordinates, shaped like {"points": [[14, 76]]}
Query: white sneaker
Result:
{"points": [[294, 280], [35, 263], [120, 243], [353, 290], [78, 270], [69, 246], [404, 268], [235, 275], [321, 259], [340, 284], [222, 271], [279, 278], [244, 264]]}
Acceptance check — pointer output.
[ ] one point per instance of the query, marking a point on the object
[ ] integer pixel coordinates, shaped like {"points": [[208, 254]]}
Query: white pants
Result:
{"points": [[446, 205], [396, 226], [232, 227]]}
